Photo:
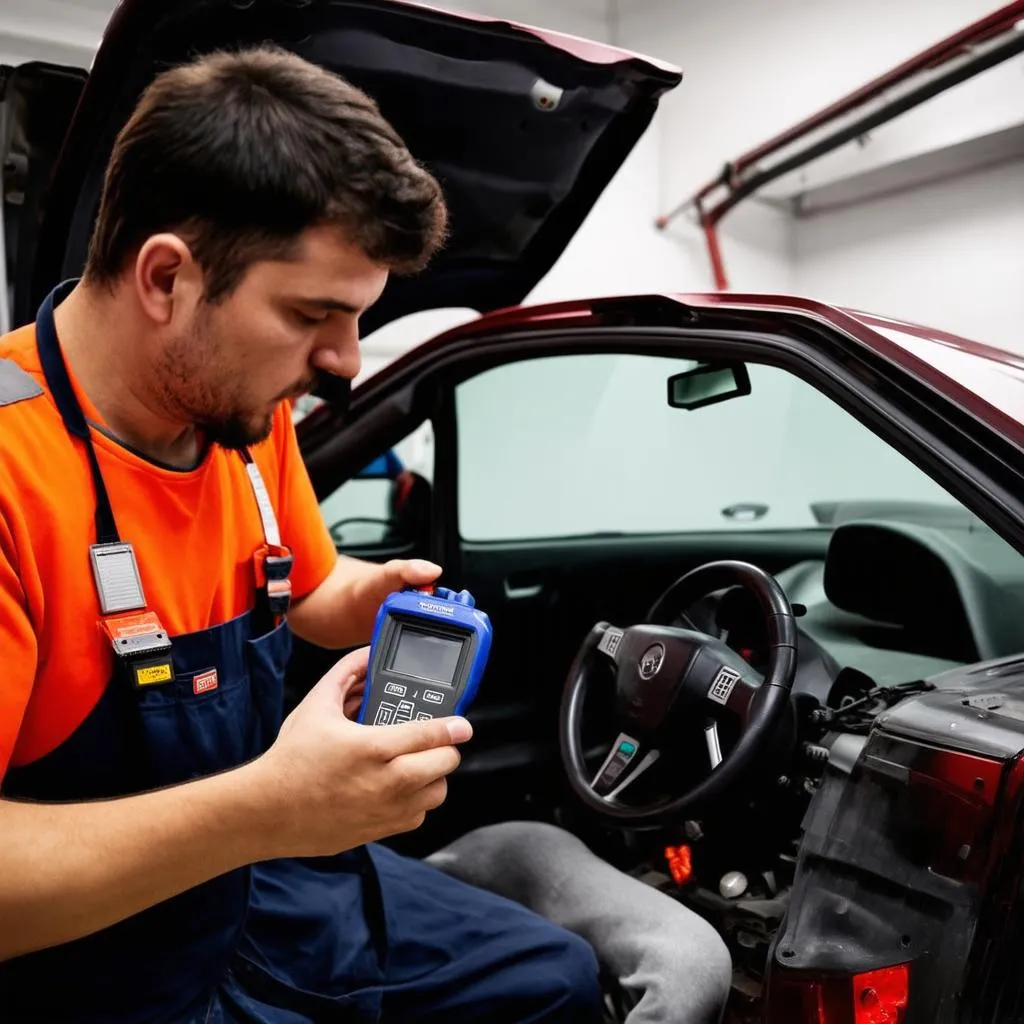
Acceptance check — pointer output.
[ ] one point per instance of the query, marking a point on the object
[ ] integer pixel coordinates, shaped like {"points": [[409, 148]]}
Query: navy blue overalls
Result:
{"points": [[363, 936]]}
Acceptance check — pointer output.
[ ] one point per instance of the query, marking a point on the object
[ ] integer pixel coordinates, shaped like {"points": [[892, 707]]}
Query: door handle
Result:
{"points": [[522, 591], [745, 511]]}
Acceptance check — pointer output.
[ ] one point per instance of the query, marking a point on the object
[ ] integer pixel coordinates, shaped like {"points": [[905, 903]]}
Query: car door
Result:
{"points": [[581, 493], [381, 512], [567, 489]]}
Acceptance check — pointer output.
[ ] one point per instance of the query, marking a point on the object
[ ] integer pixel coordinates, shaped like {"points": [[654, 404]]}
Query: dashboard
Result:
{"points": [[898, 600], [735, 618]]}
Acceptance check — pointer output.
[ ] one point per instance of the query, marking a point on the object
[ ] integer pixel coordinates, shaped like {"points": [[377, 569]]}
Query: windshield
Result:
{"points": [[588, 444]]}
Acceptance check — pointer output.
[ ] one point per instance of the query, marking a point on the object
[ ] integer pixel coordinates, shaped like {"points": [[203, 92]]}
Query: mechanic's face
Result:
{"points": [[230, 366]]}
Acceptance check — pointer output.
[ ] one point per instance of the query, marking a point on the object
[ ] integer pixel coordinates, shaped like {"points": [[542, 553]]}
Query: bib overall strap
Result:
{"points": [[135, 633], [56, 372], [272, 563]]}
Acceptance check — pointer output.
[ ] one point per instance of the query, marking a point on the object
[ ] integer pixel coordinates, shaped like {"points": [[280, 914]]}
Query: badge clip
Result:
{"points": [[142, 644]]}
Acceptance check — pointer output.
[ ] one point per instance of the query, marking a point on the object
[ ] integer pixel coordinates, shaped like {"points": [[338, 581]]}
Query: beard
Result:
{"points": [[236, 432], [212, 396]]}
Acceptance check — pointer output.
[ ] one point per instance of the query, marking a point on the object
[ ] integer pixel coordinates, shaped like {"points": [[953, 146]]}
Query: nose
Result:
{"points": [[337, 350]]}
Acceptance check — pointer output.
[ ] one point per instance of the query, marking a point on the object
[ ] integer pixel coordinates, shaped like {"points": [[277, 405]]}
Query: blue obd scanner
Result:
{"points": [[428, 653]]}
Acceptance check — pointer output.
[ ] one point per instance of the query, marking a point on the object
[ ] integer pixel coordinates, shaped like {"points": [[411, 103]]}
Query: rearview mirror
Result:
{"points": [[707, 384]]}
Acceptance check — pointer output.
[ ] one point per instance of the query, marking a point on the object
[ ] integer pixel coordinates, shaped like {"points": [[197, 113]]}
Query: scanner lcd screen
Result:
{"points": [[426, 656]]}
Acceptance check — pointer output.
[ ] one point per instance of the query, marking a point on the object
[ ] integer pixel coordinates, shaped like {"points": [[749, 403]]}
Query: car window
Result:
{"points": [[387, 503], [582, 445]]}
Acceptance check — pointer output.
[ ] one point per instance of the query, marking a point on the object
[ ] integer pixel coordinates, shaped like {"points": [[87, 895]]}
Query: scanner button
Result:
{"points": [[385, 714], [433, 697]]}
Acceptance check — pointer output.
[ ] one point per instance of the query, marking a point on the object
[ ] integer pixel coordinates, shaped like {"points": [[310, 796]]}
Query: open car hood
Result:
{"points": [[523, 128]]}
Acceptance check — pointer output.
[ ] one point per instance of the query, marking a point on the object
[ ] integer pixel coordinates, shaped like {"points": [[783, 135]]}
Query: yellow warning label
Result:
{"points": [[153, 674]]}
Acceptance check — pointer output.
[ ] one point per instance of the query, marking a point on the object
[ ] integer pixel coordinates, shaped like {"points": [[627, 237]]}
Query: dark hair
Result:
{"points": [[241, 152]]}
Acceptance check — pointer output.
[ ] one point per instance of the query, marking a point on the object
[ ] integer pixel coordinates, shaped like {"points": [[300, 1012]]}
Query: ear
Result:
{"points": [[166, 276]]}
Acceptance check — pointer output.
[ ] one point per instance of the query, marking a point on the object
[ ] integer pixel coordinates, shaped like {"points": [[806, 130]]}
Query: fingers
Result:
{"points": [[427, 799], [340, 677], [353, 699], [415, 572], [354, 685], [411, 737], [414, 772], [354, 663]]}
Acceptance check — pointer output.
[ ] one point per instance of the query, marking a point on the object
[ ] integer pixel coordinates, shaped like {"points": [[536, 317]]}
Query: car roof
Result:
{"points": [[986, 380]]}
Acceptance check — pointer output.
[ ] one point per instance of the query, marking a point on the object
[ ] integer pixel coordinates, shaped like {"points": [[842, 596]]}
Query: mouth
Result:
{"points": [[304, 387]]}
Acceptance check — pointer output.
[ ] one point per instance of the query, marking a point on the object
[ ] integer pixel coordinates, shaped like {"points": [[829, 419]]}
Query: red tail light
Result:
{"points": [[875, 997], [680, 864], [880, 997]]}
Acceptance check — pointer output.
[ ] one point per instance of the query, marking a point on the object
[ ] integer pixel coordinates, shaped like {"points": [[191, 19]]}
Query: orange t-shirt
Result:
{"points": [[194, 532]]}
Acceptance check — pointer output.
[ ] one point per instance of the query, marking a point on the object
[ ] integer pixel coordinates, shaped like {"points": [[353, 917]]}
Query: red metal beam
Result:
{"points": [[714, 250], [994, 24]]}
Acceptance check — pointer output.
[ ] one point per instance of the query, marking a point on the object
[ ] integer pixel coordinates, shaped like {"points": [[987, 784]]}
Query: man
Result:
{"points": [[169, 851]]}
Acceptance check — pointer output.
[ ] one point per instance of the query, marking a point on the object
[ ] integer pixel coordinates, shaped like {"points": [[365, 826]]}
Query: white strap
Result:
{"points": [[271, 533]]}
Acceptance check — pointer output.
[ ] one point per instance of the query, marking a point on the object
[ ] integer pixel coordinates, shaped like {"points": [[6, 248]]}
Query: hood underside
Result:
{"points": [[524, 129]]}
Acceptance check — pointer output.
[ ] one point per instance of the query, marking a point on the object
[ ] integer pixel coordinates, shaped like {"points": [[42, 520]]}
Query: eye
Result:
{"points": [[308, 321]]}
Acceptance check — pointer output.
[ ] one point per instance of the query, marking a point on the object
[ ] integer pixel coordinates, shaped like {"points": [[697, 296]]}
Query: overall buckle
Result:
{"points": [[273, 565]]}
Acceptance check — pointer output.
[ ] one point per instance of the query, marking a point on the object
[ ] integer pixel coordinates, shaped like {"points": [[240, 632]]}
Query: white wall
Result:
{"points": [[950, 255], [943, 254], [58, 31], [754, 69]]}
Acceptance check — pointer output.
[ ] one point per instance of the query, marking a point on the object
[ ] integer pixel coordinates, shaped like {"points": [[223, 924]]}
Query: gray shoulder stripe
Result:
{"points": [[15, 384]]}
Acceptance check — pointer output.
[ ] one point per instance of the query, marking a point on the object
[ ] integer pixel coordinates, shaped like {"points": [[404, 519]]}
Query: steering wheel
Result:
{"points": [[664, 674]]}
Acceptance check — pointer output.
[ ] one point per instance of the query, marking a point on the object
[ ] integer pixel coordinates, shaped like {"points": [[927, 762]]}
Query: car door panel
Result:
{"points": [[542, 598]]}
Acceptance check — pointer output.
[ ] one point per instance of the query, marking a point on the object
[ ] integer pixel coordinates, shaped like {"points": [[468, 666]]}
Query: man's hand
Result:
{"points": [[370, 590], [333, 785], [341, 611], [326, 785]]}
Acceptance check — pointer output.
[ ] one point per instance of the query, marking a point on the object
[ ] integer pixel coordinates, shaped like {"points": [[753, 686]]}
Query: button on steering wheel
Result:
{"points": [[664, 674]]}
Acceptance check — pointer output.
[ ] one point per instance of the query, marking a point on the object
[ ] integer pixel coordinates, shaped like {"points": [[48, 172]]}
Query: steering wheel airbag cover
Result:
{"points": [[766, 709]]}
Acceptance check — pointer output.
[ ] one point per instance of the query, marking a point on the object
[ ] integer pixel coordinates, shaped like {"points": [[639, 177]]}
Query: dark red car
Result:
{"points": [[766, 549]]}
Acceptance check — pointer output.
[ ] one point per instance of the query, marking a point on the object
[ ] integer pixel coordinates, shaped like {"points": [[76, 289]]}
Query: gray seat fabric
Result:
{"points": [[671, 964]]}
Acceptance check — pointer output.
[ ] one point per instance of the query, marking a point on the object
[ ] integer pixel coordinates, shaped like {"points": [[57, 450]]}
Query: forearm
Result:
{"points": [[335, 614], [67, 870]]}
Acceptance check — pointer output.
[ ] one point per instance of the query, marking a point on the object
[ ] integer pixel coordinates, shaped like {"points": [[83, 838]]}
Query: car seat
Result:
{"points": [[663, 964]]}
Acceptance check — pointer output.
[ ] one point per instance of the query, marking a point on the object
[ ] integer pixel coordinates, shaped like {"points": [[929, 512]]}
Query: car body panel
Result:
{"points": [[585, 49], [981, 379]]}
